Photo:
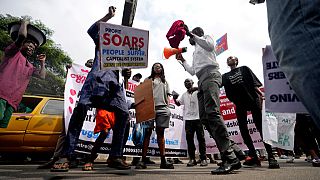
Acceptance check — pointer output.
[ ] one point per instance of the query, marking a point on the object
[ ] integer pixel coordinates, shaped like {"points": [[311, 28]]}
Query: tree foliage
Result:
{"points": [[56, 59]]}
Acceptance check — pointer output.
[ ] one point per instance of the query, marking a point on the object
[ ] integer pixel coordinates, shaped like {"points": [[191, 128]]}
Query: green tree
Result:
{"points": [[56, 60]]}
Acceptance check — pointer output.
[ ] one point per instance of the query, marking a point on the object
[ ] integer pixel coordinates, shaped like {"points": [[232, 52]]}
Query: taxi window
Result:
{"points": [[28, 104], [53, 107]]}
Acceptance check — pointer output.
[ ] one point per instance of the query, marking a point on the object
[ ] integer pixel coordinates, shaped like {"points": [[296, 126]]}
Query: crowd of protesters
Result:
{"points": [[201, 103]]}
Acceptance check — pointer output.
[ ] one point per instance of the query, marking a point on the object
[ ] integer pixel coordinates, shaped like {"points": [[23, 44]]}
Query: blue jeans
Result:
{"points": [[75, 125], [294, 30]]}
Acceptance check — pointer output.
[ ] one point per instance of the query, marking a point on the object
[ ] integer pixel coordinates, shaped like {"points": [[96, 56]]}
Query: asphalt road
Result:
{"points": [[297, 170]]}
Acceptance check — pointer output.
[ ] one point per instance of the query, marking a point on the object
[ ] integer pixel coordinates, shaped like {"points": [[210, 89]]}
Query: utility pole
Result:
{"points": [[127, 20], [128, 12]]}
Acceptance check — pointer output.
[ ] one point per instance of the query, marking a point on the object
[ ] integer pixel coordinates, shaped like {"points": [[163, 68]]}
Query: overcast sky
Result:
{"points": [[245, 24]]}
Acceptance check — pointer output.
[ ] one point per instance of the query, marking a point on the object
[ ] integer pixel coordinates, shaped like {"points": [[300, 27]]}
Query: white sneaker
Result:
{"points": [[290, 159]]}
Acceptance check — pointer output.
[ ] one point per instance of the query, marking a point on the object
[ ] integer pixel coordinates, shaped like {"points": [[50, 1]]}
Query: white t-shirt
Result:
{"points": [[190, 105]]}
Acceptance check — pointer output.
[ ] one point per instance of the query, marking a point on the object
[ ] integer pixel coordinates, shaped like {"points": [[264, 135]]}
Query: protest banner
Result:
{"points": [[76, 76], [174, 135], [227, 109], [175, 138], [221, 44], [123, 46], [279, 96]]}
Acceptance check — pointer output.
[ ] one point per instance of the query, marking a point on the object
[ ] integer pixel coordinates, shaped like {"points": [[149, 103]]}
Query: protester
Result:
{"points": [[104, 122], [242, 88], [61, 140], [206, 68], [92, 94], [161, 93], [192, 121], [135, 160], [137, 77], [305, 137], [295, 38], [16, 71]]}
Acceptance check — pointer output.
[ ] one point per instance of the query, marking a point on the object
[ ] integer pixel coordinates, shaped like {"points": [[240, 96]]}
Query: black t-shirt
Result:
{"points": [[240, 84]]}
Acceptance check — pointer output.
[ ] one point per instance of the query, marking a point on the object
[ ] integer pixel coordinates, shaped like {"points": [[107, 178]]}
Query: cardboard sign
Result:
{"points": [[143, 98]]}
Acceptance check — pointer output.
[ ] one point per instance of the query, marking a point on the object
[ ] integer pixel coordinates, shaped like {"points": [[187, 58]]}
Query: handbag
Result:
{"points": [[138, 133]]}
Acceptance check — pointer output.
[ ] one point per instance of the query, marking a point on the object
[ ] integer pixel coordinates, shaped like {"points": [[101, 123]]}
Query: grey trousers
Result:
{"points": [[209, 108]]}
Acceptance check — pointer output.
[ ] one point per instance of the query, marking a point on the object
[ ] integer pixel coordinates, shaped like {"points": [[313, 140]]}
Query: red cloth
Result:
{"points": [[176, 33], [15, 74], [104, 120]]}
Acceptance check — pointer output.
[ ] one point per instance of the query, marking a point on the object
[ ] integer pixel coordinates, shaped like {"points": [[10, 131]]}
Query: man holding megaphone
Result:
{"points": [[167, 52], [206, 68]]}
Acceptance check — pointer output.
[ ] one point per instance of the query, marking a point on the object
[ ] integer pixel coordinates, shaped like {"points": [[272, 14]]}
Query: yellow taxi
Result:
{"points": [[34, 127]]}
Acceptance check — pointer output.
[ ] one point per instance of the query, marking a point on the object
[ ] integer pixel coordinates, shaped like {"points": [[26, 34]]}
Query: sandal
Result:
{"points": [[87, 167], [62, 165]]}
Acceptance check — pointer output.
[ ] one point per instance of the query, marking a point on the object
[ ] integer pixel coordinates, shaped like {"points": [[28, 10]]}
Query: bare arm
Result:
{"points": [[177, 102], [94, 29], [186, 66], [22, 34], [42, 72], [108, 16]]}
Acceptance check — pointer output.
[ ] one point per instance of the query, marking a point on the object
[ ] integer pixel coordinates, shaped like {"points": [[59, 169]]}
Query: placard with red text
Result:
{"points": [[122, 46]]}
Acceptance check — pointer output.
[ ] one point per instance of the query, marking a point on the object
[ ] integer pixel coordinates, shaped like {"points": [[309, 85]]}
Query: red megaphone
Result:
{"points": [[167, 52]]}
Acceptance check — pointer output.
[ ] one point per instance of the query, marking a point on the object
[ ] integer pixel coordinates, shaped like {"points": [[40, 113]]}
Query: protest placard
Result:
{"points": [[123, 46]]}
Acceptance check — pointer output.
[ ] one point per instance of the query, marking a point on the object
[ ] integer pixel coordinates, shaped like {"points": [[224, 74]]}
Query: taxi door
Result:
{"points": [[44, 129], [13, 135]]}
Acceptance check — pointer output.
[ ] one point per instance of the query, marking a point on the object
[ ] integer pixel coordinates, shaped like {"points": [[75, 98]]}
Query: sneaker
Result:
{"points": [[169, 160], [273, 164], [308, 159], [283, 157], [227, 167], [252, 162], [290, 159], [148, 161], [192, 162], [263, 158], [117, 163], [212, 161], [316, 162], [204, 163], [141, 165], [135, 161], [177, 161], [166, 165], [240, 155]]}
